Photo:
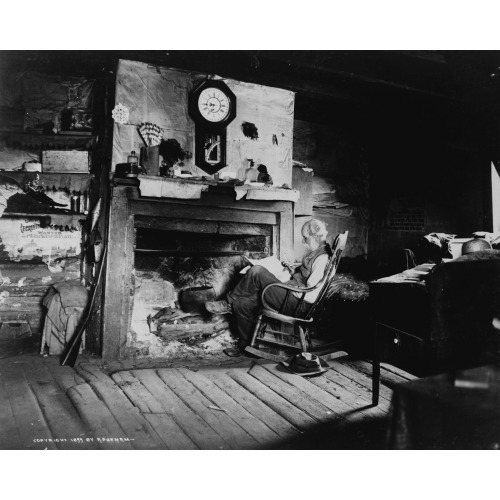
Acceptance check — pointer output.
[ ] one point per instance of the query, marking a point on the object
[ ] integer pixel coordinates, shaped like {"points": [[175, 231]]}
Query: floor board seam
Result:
{"points": [[227, 413], [18, 430], [40, 406], [260, 401], [298, 427], [187, 402], [246, 390], [295, 388], [147, 428]]}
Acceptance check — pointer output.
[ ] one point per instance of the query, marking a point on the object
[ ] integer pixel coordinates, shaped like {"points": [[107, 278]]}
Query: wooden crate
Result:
{"points": [[65, 161]]}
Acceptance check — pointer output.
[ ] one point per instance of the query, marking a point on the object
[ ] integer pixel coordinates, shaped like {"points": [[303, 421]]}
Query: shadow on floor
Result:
{"points": [[23, 345], [367, 434]]}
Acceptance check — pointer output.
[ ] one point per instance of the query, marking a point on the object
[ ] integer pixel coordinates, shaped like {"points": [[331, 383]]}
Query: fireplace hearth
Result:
{"points": [[161, 246]]}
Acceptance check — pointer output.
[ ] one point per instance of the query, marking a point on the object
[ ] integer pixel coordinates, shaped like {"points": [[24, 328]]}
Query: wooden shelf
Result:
{"points": [[76, 181], [30, 215], [48, 175], [48, 141], [56, 219]]}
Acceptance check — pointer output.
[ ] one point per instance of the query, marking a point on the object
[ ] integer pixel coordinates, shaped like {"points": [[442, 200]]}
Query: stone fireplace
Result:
{"points": [[159, 247]]}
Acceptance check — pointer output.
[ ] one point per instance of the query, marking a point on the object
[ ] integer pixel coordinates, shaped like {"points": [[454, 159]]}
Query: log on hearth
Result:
{"points": [[186, 330]]}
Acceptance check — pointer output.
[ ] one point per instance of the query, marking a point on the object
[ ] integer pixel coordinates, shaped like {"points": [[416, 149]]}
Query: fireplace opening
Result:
{"points": [[189, 259], [169, 264]]}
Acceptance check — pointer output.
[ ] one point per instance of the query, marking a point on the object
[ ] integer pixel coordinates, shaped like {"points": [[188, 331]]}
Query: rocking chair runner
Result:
{"points": [[301, 325]]}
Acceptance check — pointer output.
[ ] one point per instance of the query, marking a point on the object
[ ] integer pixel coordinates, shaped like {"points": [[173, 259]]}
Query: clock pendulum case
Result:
{"points": [[212, 106]]}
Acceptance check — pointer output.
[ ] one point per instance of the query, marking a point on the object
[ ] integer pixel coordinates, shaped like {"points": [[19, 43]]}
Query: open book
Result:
{"points": [[273, 265]]}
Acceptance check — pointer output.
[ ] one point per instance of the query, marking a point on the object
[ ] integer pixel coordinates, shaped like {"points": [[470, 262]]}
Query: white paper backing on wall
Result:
{"points": [[160, 96]]}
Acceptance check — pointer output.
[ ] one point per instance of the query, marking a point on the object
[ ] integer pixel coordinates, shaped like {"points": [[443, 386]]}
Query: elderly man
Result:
{"points": [[243, 301]]}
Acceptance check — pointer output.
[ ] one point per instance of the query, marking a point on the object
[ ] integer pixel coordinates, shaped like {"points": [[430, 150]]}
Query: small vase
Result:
{"points": [[150, 159]]}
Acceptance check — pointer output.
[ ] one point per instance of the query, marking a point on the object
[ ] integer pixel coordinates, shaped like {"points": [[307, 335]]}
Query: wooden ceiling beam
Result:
{"points": [[336, 66], [236, 65]]}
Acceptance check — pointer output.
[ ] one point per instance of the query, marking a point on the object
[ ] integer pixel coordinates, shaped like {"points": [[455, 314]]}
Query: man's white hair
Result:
{"points": [[315, 228]]}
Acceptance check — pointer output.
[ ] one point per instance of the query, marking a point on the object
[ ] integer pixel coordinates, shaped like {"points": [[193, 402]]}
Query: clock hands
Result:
{"points": [[213, 105]]}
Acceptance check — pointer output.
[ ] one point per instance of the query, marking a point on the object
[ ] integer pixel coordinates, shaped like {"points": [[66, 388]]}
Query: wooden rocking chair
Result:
{"points": [[300, 336]]}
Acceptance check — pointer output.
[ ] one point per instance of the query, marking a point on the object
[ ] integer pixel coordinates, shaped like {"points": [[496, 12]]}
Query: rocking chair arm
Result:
{"points": [[290, 288]]}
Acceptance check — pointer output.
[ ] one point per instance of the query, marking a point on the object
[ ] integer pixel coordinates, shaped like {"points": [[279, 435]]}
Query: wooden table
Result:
{"points": [[400, 315]]}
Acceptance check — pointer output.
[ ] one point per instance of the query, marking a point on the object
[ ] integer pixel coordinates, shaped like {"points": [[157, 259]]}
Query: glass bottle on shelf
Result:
{"points": [[85, 206], [251, 173], [133, 161], [75, 202], [132, 158], [81, 201]]}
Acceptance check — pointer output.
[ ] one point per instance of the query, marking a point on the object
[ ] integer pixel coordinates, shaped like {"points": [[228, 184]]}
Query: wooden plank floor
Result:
{"points": [[250, 404]]}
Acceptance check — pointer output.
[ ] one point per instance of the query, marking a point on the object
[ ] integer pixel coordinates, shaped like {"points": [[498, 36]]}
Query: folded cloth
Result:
{"points": [[493, 238], [160, 187], [65, 303], [72, 294], [416, 274], [441, 242], [266, 193], [183, 189]]}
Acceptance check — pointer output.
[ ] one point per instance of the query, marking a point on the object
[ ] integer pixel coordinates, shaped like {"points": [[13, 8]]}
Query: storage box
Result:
{"points": [[10, 330], [65, 161]]}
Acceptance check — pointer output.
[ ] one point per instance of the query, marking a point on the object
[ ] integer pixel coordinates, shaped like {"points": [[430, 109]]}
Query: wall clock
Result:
{"points": [[212, 106]]}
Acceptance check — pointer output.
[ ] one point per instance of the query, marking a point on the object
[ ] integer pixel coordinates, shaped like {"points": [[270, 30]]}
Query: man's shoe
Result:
{"points": [[234, 352], [219, 307]]}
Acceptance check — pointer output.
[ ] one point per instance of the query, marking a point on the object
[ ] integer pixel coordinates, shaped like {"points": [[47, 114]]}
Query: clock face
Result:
{"points": [[214, 105]]}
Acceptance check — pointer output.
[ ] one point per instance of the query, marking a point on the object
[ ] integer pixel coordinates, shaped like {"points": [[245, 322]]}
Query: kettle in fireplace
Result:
{"points": [[193, 298]]}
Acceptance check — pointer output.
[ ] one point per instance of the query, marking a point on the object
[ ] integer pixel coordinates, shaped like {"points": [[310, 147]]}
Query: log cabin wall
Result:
{"points": [[38, 250], [39, 245]]}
